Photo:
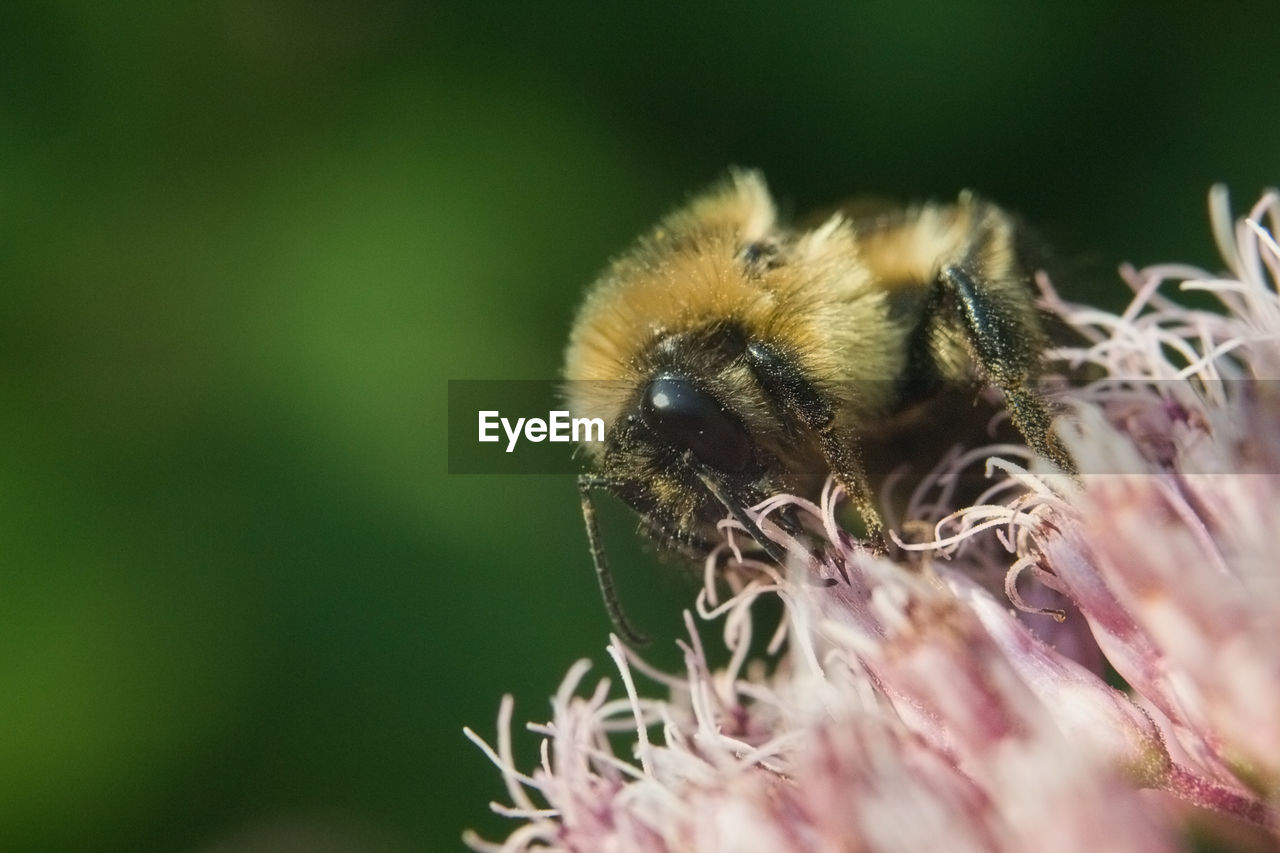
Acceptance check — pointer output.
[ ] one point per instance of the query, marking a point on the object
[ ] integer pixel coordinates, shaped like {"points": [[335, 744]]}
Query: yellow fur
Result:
{"points": [[687, 273]]}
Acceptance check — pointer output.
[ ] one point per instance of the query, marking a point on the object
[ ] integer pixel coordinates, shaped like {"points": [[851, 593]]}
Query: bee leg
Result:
{"points": [[809, 409], [1007, 351], [1032, 418], [586, 484], [739, 512], [789, 520], [841, 452]]}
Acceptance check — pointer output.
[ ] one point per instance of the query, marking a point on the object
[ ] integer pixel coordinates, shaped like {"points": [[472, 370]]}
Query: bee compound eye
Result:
{"points": [[678, 411]]}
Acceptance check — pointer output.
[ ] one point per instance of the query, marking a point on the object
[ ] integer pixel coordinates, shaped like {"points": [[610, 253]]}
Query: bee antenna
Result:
{"points": [[586, 483]]}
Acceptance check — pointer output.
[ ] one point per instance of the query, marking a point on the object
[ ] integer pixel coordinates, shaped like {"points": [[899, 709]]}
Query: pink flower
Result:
{"points": [[912, 708]]}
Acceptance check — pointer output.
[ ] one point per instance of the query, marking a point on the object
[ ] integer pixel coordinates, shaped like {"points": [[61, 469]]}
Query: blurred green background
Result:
{"points": [[244, 245]]}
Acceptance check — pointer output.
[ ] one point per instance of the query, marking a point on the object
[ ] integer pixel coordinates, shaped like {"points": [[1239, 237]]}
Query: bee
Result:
{"points": [[733, 357]]}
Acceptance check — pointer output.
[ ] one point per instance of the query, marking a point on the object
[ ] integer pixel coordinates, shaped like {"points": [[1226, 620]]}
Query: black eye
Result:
{"points": [[685, 416]]}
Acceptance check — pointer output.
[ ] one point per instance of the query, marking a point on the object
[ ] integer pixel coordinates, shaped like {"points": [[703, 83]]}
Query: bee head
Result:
{"points": [[701, 438]]}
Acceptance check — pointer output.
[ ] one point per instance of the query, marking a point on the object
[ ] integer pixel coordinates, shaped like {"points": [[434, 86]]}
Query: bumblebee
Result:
{"points": [[733, 357]]}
